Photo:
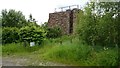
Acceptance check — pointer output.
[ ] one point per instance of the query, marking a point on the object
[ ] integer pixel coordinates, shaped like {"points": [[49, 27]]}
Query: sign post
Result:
{"points": [[32, 44]]}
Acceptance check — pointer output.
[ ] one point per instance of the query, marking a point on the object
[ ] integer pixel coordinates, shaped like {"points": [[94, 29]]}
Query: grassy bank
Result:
{"points": [[76, 53], [17, 48], [71, 52]]}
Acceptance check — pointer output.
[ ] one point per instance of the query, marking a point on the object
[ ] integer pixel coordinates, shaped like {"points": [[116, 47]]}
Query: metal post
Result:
{"points": [[55, 9], [61, 9], [69, 7], [78, 6]]}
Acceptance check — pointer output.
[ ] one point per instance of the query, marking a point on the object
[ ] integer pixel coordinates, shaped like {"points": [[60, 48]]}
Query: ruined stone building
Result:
{"points": [[64, 19]]}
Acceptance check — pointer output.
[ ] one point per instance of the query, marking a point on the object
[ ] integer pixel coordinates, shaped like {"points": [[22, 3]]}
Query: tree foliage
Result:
{"points": [[99, 24], [0, 21], [32, 21], [10, 34], [13, 18], [54, 32], [32, 34], [17, 29]]}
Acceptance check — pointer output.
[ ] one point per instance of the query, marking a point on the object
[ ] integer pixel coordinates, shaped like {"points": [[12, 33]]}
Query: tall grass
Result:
{"points": [[13, 48], [76, 53], [0, 50], [72, 53]]}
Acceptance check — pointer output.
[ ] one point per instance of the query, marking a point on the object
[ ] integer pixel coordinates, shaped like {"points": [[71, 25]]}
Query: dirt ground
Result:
{"points": [[26, 61]]}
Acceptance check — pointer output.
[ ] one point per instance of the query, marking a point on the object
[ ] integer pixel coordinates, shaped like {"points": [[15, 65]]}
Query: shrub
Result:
{"points": [[32, 34], [54, 32], [10, 35]]}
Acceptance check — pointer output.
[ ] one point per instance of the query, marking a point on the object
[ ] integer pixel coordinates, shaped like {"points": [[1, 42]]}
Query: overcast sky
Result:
{"points": [[39, 9]]}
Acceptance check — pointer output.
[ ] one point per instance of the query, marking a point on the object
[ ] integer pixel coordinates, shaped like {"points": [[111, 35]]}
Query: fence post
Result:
{"points": [[25, 43]]}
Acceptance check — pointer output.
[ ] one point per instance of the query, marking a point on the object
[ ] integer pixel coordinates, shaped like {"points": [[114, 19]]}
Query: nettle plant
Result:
{"points": [[32, 34]]}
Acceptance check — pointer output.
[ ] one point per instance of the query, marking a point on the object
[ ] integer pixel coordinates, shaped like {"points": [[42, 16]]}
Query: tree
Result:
{"points": [[32, 20], [0, 30], [13, 18], [111, 19], [44, 25], [100, 23]]}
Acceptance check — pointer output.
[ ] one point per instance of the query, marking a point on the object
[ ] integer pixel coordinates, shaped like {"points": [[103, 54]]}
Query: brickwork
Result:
{"points": [[65, 20]]}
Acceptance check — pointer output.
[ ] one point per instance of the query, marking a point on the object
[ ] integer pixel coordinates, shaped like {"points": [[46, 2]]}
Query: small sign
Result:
{"points": [[32, 44]]}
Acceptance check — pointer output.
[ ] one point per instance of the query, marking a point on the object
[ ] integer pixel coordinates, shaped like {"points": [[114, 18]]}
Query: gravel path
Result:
{"points": [[8, 61], [25, 61]]}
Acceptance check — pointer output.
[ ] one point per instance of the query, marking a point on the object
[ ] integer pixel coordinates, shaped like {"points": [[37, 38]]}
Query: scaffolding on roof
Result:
{"points": [[68, 7]]}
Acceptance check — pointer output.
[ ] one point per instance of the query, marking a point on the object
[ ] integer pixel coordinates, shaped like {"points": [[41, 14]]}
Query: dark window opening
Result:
{"points": [[71, 23]]}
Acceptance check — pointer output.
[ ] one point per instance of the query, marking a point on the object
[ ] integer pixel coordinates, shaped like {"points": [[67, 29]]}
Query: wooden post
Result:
{"points": [[25, 43], [60, 40], [71, 40]]}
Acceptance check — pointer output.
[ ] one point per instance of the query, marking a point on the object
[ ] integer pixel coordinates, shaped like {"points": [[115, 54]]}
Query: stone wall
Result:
{"points": [[65, 20]]}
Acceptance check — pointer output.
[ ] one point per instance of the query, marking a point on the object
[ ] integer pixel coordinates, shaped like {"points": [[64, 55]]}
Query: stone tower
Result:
{"points": [[64, 19]]}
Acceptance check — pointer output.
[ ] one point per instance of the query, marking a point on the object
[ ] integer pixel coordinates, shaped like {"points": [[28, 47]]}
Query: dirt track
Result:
{"points": [[26, 61]]}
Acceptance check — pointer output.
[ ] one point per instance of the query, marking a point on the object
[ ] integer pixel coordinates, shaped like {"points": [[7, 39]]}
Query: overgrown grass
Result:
{"points": [[76, 53], [0, 50], [16, 48], [71, 53]]}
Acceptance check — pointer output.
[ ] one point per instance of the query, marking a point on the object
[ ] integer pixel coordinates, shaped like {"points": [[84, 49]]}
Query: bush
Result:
{"points": [[10, 35], [32, 34], [54, 32]]}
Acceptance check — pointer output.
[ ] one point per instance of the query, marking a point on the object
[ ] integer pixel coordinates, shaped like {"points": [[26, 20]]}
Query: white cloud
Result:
{"points": [[40, 9]]}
